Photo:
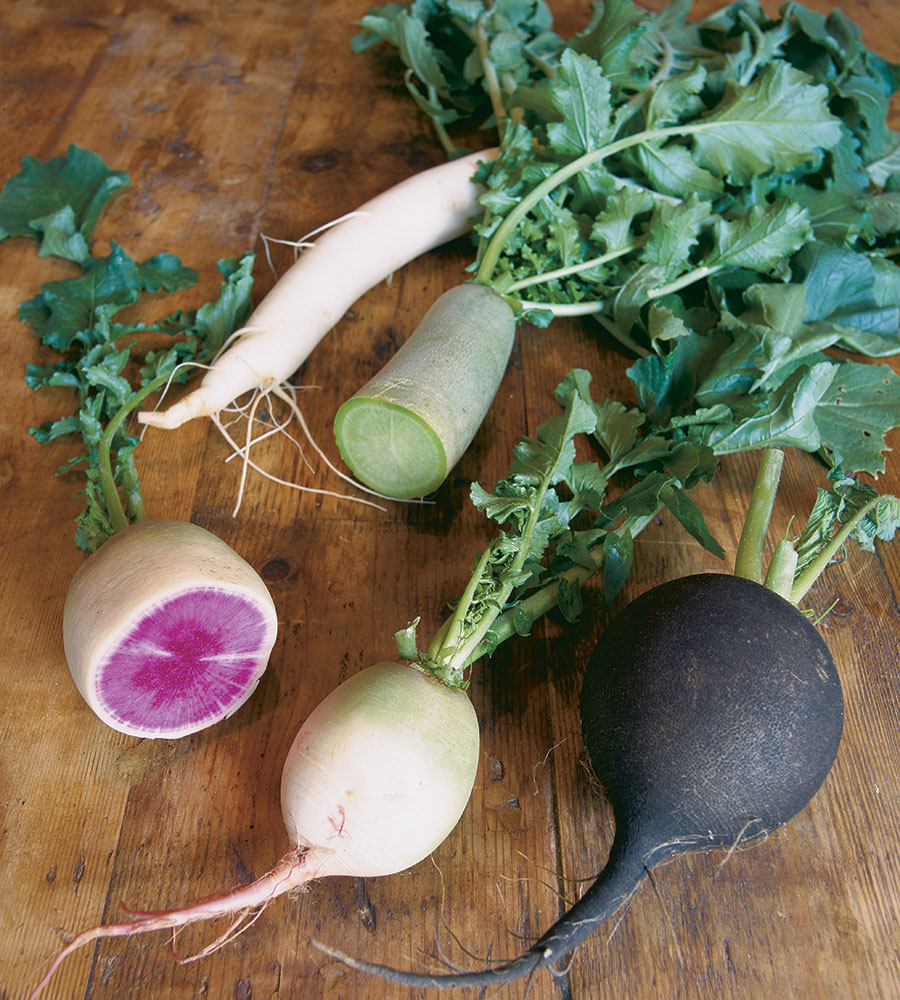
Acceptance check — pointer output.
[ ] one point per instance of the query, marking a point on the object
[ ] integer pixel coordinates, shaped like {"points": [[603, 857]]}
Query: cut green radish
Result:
{"points": [[167, 630], [403, 432]]}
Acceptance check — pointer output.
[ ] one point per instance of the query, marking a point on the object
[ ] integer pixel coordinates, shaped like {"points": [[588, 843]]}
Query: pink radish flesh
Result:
{"points": [[192, 658], [167, 629]]}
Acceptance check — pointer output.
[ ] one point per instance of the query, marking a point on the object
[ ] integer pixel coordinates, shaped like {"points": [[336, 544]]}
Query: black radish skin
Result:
{"points": [[711, 713]]}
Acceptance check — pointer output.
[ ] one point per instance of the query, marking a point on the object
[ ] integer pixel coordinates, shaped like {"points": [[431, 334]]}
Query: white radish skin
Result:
{"points": [[375, 780], [417, 215], [132, 576], [382, 819]]}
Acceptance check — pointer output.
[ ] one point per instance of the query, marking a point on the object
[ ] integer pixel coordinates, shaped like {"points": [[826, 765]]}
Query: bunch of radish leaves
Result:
{"points": [[109, 365], [563, 522], [723, 197]]}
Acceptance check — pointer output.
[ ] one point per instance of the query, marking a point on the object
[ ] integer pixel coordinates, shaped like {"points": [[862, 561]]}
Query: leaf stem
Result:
{"points": [[588, 308], [688, 278], [782, 566], [564, 272], [454, 658], [494, 248], [749, 557], [811, 573], [117, 516]]}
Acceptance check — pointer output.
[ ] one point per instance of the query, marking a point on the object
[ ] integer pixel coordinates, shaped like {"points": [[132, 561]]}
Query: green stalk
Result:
{"points": [[562, 308], [452, 659], [564, 272], [446, 638], [683, 281], [544, 600], [749, 557], [490, 75], [626, 340], [811, 573], [783, 565], [117, 516]]}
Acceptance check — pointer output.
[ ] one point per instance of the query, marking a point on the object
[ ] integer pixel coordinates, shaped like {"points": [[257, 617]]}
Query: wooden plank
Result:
{"points": [[253, 117]]}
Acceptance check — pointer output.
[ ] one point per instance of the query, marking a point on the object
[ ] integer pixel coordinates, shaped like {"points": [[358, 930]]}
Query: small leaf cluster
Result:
{"points": [[462, 58], [102, 360]]}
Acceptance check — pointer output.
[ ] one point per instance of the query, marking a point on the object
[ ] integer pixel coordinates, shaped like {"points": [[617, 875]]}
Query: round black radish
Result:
{"points": [[711, 713]]}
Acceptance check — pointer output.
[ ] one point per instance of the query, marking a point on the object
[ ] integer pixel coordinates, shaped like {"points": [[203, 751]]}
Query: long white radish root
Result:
{"points": [[417, 215]]}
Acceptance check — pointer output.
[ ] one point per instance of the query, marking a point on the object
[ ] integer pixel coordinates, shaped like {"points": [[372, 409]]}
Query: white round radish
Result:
{"points": [[166, 629], [380, 772], [375, 780]]}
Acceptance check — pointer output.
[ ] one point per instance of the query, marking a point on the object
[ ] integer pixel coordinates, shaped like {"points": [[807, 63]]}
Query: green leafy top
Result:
{"points": [[464, 59], [58, 203], [100, 359], [722, 196], [559, 527]]}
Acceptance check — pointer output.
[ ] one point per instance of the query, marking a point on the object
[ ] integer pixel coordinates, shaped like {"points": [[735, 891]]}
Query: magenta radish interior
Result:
{"points": [[193, 657], [167, 629]]}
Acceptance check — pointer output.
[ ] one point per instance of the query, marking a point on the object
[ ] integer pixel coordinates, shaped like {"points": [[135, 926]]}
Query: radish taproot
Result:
{"points": [[711, 713], [365, 247], [375, 779]]}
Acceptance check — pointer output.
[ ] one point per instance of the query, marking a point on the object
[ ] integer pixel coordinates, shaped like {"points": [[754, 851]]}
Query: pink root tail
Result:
{"points": [[289, 873]]}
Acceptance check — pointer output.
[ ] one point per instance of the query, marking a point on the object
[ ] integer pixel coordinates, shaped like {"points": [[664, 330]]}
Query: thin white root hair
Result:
{"points": [[244, 921], [249, 463], [738, 840], [667, 918], [271, 430], [304, 242], [287, 394]]}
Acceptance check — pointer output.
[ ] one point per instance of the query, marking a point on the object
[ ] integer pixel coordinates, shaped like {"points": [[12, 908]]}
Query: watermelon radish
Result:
{"points": [[166, 629]]}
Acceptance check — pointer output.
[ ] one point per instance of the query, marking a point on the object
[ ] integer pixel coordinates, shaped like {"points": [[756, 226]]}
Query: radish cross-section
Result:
{"points": [[167, 630]]}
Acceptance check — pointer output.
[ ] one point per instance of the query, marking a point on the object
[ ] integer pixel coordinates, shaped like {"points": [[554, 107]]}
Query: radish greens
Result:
{"points": [[720, 196], [165, 628]]}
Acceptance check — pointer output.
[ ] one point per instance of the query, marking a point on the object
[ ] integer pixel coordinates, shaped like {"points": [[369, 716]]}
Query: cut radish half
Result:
{"points": [[167, 629]]}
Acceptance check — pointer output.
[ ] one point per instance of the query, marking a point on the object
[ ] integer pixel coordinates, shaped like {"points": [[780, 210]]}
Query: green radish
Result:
{"points": [[409, 425]]}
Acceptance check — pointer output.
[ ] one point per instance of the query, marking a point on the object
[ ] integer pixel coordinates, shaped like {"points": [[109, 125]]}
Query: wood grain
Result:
{"points": [[239, 118]]}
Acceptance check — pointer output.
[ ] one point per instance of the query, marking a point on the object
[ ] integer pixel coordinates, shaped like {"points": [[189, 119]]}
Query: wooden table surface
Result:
{"points": [[240, 118]]}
